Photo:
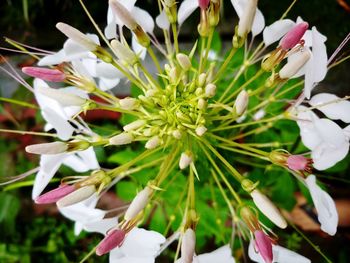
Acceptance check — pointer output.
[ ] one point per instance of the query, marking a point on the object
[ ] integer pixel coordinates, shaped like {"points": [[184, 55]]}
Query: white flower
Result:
{"points": [[82, 161], [186, 8], [259, 20], [142, 17], [220, 255], [139, 246], [280, 254], [86, 216], [327, 141], [315, 69], [325, 206]]}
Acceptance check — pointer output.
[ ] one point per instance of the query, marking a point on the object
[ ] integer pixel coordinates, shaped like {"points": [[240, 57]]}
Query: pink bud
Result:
{"points": [[203, 4], [299, 163], [294, 35], [113, 239], [263, 245], [53, 75], [55, 195]]}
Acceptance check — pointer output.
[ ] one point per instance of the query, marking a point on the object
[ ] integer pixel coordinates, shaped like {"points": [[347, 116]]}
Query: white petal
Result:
{"points": [[88, 156], [61, 125], [336, 111], [111, 31], [186, 8], [347, 132], [141, 51], [220, 255], [326, 156], [108, 71], [144, 19], [276, 31], [319, 55], [101, 226], [132, 260], [73, 51], [258, 23], [80, 68], [238, 5], [308, 38], [162, 21], [142, 243], [79, 164], [281, 254], [54, 59], [107, 84], [309, 135], [330, 132], [49, 164], [325, 206], [253, 254]]}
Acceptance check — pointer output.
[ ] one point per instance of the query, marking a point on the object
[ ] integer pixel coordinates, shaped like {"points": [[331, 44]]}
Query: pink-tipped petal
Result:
{"points": [[53, 75], [263, 245], [113, 239], [55, 195], [294, 35], [203, 4]]}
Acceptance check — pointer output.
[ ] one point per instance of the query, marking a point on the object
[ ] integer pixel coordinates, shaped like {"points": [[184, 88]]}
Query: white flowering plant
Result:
{"points": [[204, 134]]}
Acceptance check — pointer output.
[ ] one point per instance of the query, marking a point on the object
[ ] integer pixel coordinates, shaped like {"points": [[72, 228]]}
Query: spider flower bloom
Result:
{"points": [[77, 36], [56, 194], [293, 37], [264, 245], [246, 20], [113, 239], [53, 75]]}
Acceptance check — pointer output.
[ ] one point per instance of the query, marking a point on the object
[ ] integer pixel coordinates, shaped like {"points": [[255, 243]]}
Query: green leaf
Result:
{"points": [[126, 190], [123, 156]]}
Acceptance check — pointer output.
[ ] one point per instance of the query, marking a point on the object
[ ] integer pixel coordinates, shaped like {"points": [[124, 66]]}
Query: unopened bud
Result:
{"points": [[201, 79], [201, 104], [152, 143], [185, 160], [184, 61], [293, 37], [121, 139], [177, 134], [53, 75], [123, 52], [123, 14], [241, 102], [295, 64], [210, 90], [138, 204], [246, 20], [263, 244], [112, 240], [77, 196], [77, 36], [62, 97], [201, 130], [265, 205], [47, 148], [203, 4], [134, 125], [128, 103], [54, 195], [188, 246]]}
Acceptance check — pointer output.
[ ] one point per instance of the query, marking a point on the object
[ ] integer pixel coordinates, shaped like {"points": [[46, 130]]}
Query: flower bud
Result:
{"points": [[77, 36], [47, 148], [188, 246], [121, 139], [264, 245], [53, 75], [123, 14], [202, 103], [203, 4], [152, 143], [185, 160], [293, 37], [177, 134], [268, 208], [299, 163], [201, 130], [184, 61], [134, 125], [201, 79], [210, 90], [123, 52], [54, 195], [138, 204], [112, 240], [128, 103], [62, 97], [173, 75], [241, 102], [246, 20], [77, 196], [294, 65]]}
